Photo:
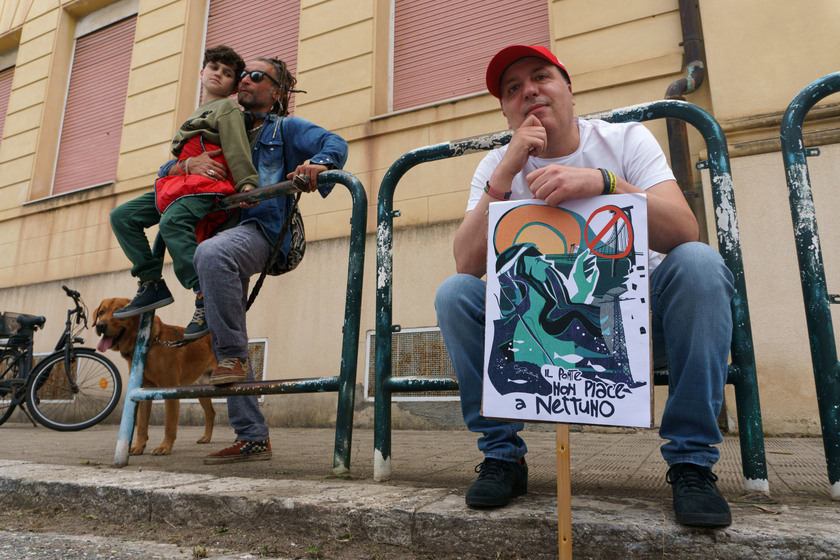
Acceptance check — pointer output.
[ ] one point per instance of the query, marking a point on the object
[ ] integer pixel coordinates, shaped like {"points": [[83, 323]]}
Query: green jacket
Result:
{"points": [[221, 122]]}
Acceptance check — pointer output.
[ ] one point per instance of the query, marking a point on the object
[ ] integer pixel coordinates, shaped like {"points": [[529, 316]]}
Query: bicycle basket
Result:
{"points": [[9, 327]]}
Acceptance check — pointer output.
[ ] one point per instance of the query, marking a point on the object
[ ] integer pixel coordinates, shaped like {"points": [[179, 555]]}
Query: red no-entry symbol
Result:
{"points": [[617, 216]]}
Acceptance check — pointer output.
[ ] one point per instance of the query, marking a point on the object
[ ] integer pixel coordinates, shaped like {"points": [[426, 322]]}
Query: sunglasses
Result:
{"points": [[257, 76]]}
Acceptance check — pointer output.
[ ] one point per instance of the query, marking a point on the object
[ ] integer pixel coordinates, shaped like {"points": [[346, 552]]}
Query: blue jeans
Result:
{"points": [[225, 264], [691, 322]]}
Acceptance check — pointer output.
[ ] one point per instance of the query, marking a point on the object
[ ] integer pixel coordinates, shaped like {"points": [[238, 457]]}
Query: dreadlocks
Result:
{"points": [[281, 106]]}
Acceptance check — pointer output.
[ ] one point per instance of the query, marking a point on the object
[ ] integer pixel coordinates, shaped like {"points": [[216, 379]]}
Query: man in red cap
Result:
{"points": [[553, 156]]}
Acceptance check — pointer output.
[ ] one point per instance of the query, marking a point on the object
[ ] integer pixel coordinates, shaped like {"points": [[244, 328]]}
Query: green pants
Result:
{"points": [[177, 228]]}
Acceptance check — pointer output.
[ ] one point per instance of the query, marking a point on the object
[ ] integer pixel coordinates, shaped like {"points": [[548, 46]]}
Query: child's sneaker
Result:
{"points": [[150, 295], [198, 325]]}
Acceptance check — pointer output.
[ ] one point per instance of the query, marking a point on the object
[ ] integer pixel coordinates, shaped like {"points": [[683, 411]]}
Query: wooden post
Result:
{"points": [[564, 493]]}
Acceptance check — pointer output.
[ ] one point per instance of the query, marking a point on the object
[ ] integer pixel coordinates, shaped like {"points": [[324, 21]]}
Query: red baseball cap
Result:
{"points": [[509, 55]]}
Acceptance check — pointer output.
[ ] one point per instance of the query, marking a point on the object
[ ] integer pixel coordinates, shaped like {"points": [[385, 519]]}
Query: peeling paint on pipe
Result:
{"points": [[812, 271]]}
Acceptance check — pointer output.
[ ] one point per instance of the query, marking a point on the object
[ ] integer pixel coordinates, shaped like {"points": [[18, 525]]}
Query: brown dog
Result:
{"points": [[165, 367]]}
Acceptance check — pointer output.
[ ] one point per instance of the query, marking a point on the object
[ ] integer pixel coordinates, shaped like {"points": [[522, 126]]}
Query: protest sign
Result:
{"points": [[568, 324]]}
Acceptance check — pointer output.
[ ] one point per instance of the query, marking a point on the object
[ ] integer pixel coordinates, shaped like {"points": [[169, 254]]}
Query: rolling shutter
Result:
{"points": [[441, 49], [256, 29], [93, 114], [5, 90]]}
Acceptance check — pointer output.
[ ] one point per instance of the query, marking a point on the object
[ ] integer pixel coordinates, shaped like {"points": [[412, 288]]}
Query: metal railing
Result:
{"points": [[344, 383], [742, 373], [811, 270]]}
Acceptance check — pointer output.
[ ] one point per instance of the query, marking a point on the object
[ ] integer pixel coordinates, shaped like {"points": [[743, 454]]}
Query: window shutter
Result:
{"points": [[95, 107], [5, 90], [256, 29], [441, 49]]}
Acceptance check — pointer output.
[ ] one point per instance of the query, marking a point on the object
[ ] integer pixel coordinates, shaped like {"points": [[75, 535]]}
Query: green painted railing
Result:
{"points": [[742, 373], [344, 383], [811, 270]]}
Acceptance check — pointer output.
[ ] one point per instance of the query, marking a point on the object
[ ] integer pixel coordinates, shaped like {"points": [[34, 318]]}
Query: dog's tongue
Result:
{"points": [[104, 343]]}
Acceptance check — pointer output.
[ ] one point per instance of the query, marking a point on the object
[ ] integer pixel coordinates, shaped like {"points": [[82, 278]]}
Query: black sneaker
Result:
{"points": [[198, 325], [697, 500], [498, 481], [150, 295]]}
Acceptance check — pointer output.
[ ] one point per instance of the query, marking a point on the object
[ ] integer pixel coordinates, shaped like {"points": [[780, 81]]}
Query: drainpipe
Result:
{"points": [[695, 72]]}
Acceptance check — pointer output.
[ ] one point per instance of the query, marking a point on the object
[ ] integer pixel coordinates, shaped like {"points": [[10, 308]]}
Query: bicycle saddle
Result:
{"points": [[29, 322]]}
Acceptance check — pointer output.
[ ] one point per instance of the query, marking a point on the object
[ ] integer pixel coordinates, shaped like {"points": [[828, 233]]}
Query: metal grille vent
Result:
{"points": [[256, 352], [414, 352]]}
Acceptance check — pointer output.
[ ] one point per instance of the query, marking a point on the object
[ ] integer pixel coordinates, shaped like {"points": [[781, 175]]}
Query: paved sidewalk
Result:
{"points": [[620, 502]]}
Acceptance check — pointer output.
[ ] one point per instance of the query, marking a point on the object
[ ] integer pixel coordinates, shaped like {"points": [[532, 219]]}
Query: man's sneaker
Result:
{"points": [[498, 481], [697, 501], [150, 295], [241, 451], [198, 325], [230, 370]]}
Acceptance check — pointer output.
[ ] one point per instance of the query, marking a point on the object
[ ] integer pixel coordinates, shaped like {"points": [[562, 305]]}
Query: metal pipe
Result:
{"points": [[344, 383], [135, 380], [695, 72], [256, 195], [271, 387], [812, 272], [742, 372]]}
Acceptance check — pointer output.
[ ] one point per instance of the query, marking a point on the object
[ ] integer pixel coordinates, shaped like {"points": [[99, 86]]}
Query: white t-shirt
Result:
{"points": [[627, 149]]}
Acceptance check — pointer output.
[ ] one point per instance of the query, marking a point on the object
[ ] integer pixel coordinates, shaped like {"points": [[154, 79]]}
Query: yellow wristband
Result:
{"points": [[609, 181]]}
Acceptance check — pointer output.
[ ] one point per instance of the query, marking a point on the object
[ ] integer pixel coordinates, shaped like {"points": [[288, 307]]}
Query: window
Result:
{"points": [[93, 114], [266, 29], [7, 72], [441, 49]]}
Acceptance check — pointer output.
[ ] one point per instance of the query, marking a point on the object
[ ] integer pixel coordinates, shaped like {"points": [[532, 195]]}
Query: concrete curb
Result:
{"points": [[421, 520]]}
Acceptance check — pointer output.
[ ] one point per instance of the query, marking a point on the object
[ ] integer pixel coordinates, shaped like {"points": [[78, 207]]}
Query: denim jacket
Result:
{"points": [[282, 144]]}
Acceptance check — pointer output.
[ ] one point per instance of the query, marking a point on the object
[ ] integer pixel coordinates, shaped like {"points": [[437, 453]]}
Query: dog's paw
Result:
{"points": [[203, 439], [137, 450], [162, 450]]}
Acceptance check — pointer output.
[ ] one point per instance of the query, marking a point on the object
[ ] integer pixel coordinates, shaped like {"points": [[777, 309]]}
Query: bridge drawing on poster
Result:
{"points": [[567, 334]]}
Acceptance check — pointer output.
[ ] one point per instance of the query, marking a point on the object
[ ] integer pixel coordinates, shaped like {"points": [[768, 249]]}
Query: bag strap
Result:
{"points": [[274, 252], [279, 243]]}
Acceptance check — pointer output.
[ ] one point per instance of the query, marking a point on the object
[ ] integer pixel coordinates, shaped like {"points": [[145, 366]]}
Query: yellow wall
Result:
{"points": [[759, 55]]}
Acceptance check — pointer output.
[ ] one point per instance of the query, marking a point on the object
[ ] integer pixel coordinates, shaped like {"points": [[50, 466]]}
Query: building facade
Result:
{"points": [[92, 90]]}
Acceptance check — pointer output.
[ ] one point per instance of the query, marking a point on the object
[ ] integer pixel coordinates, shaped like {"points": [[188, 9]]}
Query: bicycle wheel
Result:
{"points": [[7, 392], [56, 404]]}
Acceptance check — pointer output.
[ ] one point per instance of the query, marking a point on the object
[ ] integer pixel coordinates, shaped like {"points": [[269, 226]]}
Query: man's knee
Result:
{"points": [[459, 302], [457, 291], [700, 268], [696, 254], [205, 253]]}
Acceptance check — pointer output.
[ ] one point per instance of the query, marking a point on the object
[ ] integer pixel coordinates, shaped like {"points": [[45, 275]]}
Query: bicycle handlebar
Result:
{"points": [[80, 312], [72, 293]]}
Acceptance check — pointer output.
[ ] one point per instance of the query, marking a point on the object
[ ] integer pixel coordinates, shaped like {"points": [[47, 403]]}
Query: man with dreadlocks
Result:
{"points": [[280, 146]]}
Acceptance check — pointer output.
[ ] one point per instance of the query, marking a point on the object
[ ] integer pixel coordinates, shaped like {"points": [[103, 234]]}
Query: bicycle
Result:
{"points": [[70, 389]]}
